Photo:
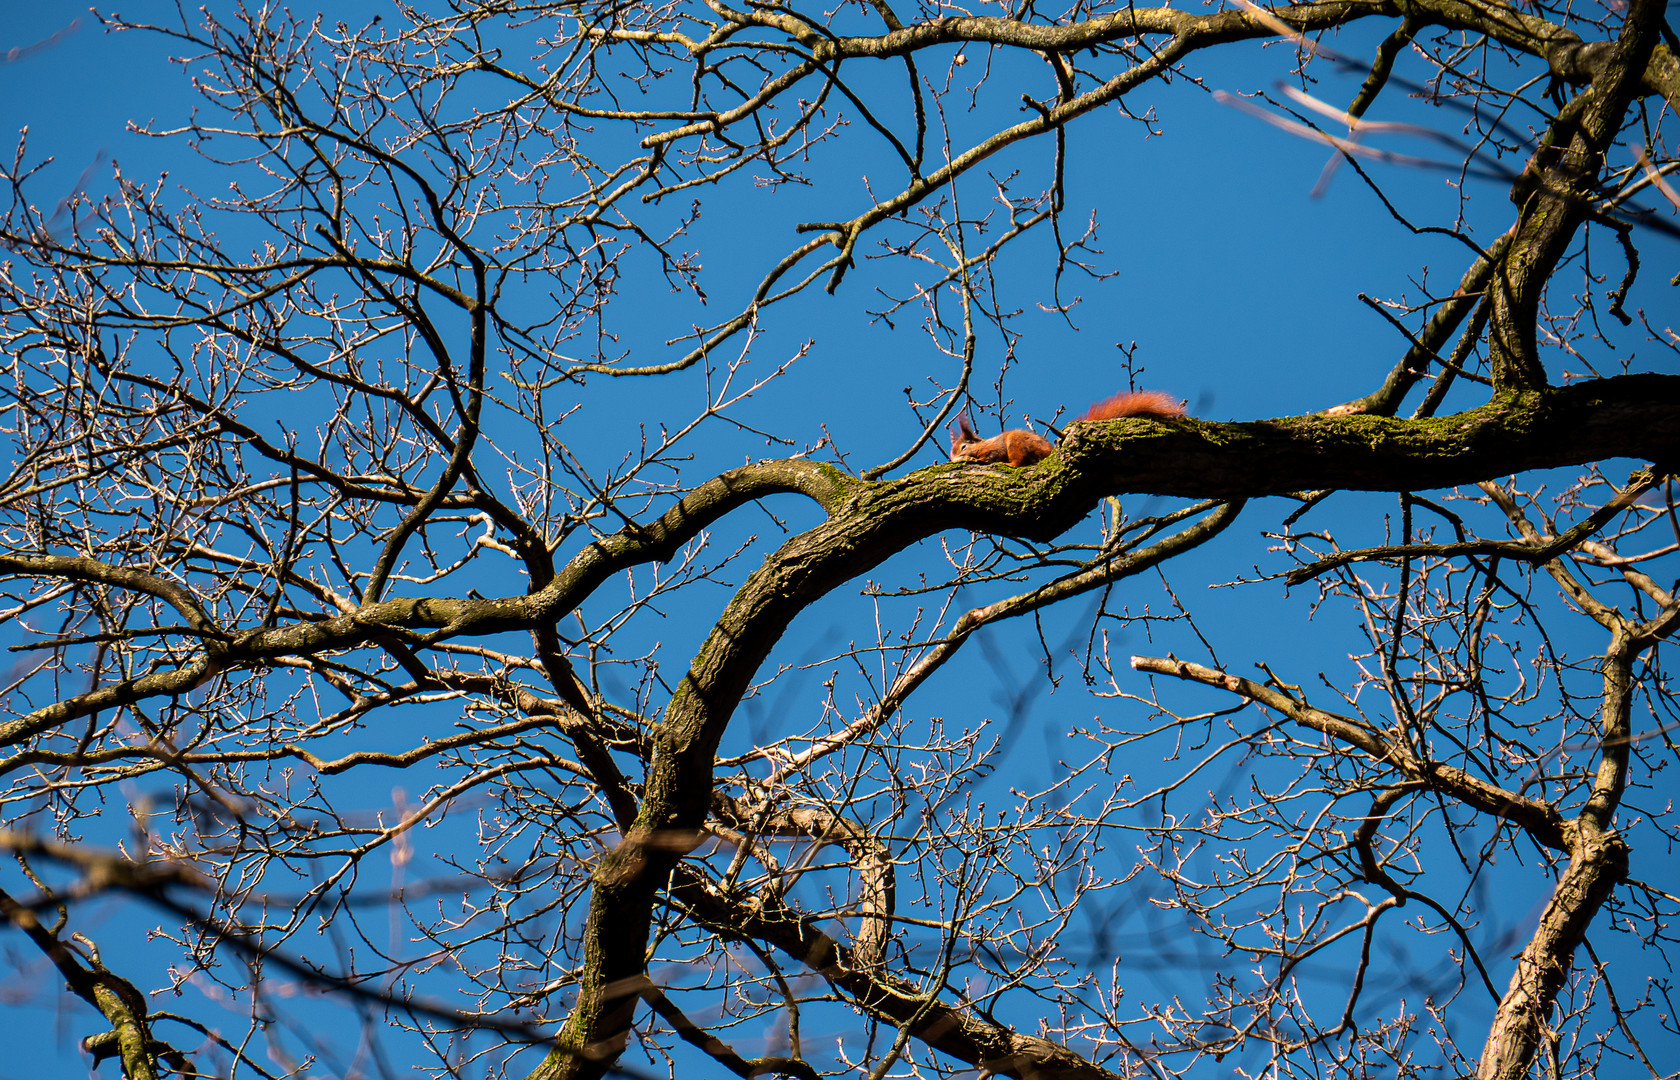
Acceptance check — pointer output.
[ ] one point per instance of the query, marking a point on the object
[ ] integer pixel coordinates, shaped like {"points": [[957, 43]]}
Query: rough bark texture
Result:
{"points": [[1597, 864], [1627, 416]]}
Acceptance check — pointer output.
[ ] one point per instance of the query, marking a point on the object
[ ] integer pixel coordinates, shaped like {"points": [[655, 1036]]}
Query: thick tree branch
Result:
{"points": [[1634, 416], [1556, 192]]}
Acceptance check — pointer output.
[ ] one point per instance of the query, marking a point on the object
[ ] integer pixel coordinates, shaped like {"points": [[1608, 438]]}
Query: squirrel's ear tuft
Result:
{"points": [[963, 437]]}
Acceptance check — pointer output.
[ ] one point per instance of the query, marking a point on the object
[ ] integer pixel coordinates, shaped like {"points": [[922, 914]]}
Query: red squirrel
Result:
{"points": [[1021, 447]]}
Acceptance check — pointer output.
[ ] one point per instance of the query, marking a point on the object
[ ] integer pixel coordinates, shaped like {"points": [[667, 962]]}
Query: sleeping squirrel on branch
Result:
{"points": [[1022, 447]]}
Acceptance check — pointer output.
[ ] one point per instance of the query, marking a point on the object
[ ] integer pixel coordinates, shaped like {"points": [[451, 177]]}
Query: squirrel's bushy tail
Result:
{"points": [[1134, 403]]}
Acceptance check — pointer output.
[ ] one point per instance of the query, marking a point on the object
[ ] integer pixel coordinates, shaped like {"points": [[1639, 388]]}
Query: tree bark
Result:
{"points": [[1596, 866]]}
